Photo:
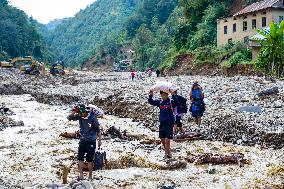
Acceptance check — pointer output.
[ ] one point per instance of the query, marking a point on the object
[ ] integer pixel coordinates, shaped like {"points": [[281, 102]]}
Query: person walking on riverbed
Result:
{"points": [[197, 107], [158, 72], [132, 75], [179, 111], [89, 130], [166, 119]]}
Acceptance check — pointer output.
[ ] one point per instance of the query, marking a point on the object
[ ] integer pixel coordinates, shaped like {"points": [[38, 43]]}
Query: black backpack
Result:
{"points": [[99, 160], [181, 104]]}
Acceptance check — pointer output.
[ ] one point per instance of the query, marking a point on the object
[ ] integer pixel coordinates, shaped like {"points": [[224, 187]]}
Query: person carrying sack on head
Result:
{"points": [[166, 119], [179, 111], [89, 130], [197, 107]]}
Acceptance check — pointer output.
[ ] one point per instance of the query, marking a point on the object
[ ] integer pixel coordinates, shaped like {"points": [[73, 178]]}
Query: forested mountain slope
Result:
{"points": [[157, 30], [18, 35], [75, 39]]}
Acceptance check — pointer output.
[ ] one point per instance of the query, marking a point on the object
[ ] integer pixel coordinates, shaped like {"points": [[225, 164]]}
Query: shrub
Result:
{"points": [[236, 58], [226, 65]]}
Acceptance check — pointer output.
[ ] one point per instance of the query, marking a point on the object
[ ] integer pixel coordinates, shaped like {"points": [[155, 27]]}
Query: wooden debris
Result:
{"points": [[271, 91], [114, 132], [173, 165], [65, 171], [276, 170], [131, 160], [134, 136], [74, 135], [150, 141], [234, 158], [188, 137]]}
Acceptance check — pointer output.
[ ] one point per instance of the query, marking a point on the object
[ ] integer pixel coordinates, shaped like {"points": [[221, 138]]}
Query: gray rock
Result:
{"points": [[250, 109], [270, 91], [212, 171], [168, 186]]}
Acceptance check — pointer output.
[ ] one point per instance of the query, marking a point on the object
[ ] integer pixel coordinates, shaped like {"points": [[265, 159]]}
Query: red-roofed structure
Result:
{"points": [[258, 6], [244, 24]]}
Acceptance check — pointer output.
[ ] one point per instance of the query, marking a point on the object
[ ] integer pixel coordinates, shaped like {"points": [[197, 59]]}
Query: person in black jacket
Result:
{"points": [[179, 111], [166, 119], [158, 72]]}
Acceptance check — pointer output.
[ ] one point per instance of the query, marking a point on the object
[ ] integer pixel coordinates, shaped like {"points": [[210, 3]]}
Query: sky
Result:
{"points": [[48, 10]]}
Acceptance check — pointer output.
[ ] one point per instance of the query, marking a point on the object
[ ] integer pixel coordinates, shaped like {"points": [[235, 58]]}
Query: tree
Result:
{"points": [[181, 37], [142, 42], [4, 2], [271, 57], [206, 33]]}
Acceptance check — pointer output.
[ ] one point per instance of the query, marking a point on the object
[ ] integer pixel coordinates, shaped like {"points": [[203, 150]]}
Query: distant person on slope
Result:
{"points": [[166, 119], [197, 107], [179, 111], [89, 129], [150, 72], [132, 75]]}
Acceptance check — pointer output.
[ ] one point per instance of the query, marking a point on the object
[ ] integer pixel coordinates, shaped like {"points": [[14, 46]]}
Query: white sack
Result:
{"points": [[98, 111], [164, 86]]}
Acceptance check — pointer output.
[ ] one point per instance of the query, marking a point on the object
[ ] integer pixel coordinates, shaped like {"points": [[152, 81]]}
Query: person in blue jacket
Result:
{"points": [[89, 130], [197, 107], [166, 118]]}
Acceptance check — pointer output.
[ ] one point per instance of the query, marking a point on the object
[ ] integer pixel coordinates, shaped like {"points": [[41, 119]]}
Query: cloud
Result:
{"points": [[47, 10]]}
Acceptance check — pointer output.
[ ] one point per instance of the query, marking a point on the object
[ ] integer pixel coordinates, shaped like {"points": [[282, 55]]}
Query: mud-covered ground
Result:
{"points": [[33, 154]]}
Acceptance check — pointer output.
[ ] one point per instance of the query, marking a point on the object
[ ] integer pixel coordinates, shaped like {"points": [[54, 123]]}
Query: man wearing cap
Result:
{"points": [[166, 119], [89, 130]]}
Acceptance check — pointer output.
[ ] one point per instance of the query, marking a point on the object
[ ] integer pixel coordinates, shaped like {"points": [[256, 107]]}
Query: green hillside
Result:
{"points": [[75, 39], [162, 29], [18, 35]]}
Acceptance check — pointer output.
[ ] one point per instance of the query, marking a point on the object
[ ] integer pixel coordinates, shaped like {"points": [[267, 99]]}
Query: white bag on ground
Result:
{"points": [[98, 111], [164, 86]]}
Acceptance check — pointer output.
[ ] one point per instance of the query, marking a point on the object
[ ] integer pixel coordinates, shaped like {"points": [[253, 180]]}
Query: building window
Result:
{"points": [[246, 40], [230, 40], [225, 29], [280, 18], [234, 27], [235, 18], [245, 26], [263, 21], [264, 13], [254, 15], [253, 23]]}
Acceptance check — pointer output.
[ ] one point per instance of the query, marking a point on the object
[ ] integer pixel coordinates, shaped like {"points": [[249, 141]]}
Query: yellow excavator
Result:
{"points": [[28, 65]]}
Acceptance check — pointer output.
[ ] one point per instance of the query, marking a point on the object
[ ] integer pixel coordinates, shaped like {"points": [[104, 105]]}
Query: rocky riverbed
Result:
{"points": [[43, 103], [119, 96]]}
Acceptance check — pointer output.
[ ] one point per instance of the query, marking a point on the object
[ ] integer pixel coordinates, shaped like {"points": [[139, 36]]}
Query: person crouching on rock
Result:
{"points": [[89, 130], [166, 119], [197, 107]]}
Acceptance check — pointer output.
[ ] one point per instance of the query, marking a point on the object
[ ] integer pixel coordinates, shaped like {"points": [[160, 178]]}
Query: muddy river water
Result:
{"points": [[31, 156]]}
